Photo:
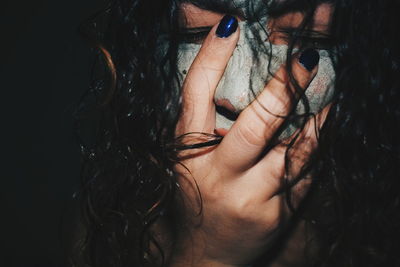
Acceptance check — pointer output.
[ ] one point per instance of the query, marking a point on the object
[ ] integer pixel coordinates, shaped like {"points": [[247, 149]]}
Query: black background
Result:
{"points": [[44, 68]]}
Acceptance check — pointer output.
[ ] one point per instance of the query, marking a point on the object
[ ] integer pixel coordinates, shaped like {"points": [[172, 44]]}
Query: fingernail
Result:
{"points": [[227, 26], [309, 58]]}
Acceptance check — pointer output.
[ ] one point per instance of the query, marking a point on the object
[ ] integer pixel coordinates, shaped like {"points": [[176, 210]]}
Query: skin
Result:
{"points": [[234, 181], [194, 17], [247, 71]]}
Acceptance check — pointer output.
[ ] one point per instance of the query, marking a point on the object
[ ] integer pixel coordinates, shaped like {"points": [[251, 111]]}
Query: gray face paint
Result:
{"points": [[250, 68], [247, 8]]}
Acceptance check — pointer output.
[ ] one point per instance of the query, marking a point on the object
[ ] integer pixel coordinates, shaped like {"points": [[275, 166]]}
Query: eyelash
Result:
{"points": [[318, 41], [195, 37], [323, 42]]}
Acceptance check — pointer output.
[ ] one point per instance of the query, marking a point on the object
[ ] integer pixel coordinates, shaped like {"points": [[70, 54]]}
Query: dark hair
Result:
{"points": [[128, 183], [357, 167]]}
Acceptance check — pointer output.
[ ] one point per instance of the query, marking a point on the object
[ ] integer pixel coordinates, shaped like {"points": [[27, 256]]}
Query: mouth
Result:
{"points": [[224, 108]]}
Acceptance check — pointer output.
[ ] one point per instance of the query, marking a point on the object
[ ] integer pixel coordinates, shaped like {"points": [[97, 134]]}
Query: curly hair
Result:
{"points": [[126, 122], [357, 172]]}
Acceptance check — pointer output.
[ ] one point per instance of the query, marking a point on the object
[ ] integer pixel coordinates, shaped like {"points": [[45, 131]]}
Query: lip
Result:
{"points": [[225, 103], [225, 108]]}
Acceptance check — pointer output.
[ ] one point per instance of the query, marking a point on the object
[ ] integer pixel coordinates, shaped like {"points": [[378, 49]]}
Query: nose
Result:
{"points": [[252, 65], [247, 71]]}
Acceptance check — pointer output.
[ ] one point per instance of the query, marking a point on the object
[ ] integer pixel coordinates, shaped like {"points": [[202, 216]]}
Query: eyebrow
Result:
{"points": [[310, 32], [218, 6]]}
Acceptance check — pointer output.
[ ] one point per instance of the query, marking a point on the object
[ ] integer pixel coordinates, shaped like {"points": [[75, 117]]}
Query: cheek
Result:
{"points": [[318, 94], [186, 55], [320, 90], [246, 75]]}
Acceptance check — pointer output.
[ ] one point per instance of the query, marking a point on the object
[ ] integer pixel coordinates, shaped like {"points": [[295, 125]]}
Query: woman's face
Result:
{"points": [[261, 50]]}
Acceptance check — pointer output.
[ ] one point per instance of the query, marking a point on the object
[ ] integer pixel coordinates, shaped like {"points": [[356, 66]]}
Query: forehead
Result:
{"points": [[197, 13], [242, 8]]}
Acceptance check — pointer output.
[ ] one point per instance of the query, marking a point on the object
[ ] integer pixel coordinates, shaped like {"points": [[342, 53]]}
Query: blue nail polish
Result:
{"points": [[309, 58], [227, 26]]}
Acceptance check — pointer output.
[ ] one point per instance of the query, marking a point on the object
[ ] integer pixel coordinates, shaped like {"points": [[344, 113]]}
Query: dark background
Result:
{"points": [[43, 71]]}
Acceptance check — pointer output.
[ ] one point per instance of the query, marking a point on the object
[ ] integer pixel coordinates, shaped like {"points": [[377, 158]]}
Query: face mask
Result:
{"points": [[250, 69]]}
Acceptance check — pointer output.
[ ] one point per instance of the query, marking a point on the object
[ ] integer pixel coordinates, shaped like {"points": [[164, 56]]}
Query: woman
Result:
{"points": [[185, 172]]}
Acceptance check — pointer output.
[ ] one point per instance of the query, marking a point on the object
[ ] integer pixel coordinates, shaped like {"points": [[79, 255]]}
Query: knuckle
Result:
{"points": [[250, 134], [213, 194], [273, 222], [247, 212], [273, 218], [243, 210], [273, 103]]}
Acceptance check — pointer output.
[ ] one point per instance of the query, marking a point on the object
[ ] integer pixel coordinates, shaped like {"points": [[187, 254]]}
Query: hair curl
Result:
{"points": [[131, 110]]}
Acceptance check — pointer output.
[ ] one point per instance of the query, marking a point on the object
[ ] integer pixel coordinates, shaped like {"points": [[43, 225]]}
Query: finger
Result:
{"points": [[256, 125], [198, 113], [273, 166], [221, 131]]}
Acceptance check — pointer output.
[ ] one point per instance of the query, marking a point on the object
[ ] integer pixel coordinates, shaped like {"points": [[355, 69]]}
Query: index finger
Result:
{"points": [[198, 109]]}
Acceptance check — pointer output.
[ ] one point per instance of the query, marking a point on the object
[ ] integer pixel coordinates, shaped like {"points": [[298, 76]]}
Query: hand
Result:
{"points": [[232, 206]]}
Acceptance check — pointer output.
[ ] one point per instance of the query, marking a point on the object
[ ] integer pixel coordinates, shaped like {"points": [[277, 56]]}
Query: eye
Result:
{"points": [[305, 38], [320, 43], [193, 35]]}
